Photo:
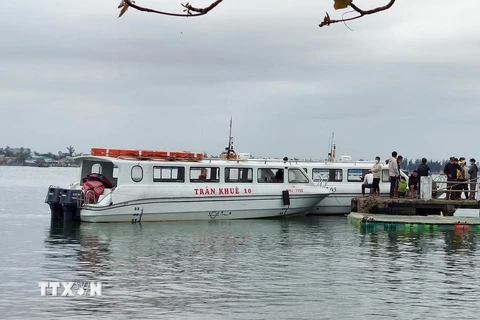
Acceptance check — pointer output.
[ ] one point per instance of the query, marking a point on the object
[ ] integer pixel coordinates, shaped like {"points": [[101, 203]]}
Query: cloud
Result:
{"points": [[404, 79]]}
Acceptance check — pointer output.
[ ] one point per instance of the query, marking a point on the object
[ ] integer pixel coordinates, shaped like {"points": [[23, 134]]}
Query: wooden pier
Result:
{"points": [[411, 206], [414, 214]]}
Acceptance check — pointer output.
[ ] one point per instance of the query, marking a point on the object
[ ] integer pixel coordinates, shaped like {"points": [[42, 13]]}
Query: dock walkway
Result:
{"points": [[389, 222]]}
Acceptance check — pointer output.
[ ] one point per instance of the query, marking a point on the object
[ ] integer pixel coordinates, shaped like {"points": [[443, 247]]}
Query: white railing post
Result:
{"points": [[426, 188], [477, 194]]}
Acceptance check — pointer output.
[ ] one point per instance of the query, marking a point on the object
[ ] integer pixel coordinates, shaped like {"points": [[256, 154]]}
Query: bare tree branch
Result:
{"points": [[188, 9], [191, 11], [327, 21]]}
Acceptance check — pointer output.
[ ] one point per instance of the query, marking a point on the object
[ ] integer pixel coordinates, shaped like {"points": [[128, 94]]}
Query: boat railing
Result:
{"points": [[436, 187], [84, 197]]}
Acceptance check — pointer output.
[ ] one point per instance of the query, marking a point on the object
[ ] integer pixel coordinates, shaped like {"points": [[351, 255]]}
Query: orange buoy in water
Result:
{"points": [[461, 227]]}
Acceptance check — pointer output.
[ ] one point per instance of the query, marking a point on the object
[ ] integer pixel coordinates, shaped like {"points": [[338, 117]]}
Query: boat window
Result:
{"points": [[137, 173], [385, 175], [333, 175], [356, 175], [297, 176], [198, 174], [270, 175], [168, 174], [238, 175], [97, 168]]}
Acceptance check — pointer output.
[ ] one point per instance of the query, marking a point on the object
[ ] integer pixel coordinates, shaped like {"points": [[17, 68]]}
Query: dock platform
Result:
{"points": [[411, 205], [388, 222]]}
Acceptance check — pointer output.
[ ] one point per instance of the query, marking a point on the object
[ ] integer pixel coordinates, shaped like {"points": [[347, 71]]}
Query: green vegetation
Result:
{"points": [[24, 156], [435, 165]]}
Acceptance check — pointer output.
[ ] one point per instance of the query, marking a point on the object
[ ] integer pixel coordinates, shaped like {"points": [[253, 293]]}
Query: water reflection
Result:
{"points": [[299, 268]]}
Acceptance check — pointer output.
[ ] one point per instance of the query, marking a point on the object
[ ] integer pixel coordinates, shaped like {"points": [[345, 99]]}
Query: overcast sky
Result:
{"points": [[72, 73]]}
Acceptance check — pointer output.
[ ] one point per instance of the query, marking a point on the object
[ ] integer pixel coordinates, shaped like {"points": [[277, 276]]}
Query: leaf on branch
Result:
{"points": [[326, 21], [341, 4], [187, 7], [124, 6]]}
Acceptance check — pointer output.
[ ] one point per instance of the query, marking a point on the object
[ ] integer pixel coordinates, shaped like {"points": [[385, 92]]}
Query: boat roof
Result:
{"points": [[217, 161], [338, 163]]}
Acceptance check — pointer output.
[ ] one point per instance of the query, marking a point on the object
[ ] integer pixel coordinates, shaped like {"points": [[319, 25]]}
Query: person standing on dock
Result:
{"points": [[376, 171], [473, 172], [450, 171], [394, 173], [423, 171], [462, 178], [399, 161]]}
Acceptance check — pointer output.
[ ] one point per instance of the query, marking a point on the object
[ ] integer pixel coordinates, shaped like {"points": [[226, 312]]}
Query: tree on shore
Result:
{"points": [[8, 152], [191, 11], [71, 151]]}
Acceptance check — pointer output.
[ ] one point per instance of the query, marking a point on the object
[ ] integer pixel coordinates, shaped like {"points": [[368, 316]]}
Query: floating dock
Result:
{"points": [[388, 222], [411, 205]]}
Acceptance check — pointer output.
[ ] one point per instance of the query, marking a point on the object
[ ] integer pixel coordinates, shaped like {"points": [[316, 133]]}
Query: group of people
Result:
{"points": [[459, 178], [398, 184]]}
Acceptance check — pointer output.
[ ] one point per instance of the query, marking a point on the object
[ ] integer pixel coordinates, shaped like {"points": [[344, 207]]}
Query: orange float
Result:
{"points": [[232, 155], [461, 227], [115, 153], [98, 152], [155, 154]]}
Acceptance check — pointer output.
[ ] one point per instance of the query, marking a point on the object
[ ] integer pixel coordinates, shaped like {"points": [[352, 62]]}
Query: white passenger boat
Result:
{"points": [[344, 177], [138, 185]]}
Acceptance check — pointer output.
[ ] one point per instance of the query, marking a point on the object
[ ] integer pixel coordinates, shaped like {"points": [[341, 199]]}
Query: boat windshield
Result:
{"points": [[297, 176]]}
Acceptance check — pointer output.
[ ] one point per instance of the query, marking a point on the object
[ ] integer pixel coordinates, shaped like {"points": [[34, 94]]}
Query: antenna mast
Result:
{"points": [[333, 147], [230, 140]]}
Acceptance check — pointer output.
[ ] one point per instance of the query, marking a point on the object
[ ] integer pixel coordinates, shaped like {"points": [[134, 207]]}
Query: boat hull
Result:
{"points": [[336, 204], [207, 208]]}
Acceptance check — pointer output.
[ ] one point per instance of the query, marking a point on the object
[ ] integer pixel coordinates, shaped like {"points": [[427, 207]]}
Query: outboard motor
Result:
{"points": [[68, 201], [53, 200]]}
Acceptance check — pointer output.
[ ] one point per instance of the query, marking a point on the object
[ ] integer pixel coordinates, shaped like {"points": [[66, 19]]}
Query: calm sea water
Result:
{"points": [[309, 268]]}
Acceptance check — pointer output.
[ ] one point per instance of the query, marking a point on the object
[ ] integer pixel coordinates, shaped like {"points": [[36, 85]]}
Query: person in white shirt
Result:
{"points": [[367, 182], [376, 170], [394, 174]]}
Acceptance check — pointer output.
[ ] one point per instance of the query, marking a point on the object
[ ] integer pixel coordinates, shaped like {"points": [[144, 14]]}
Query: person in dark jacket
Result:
{"points": [[450, 171], [423, 171], [473, 172], [413, 183]]}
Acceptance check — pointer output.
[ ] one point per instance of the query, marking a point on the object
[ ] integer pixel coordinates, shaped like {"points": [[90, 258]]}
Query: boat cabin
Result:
{"points": [[122, 171]]}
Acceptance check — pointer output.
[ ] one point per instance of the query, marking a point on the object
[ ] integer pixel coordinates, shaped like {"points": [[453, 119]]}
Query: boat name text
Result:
{"points": [[208, 191], [231, 191]]}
